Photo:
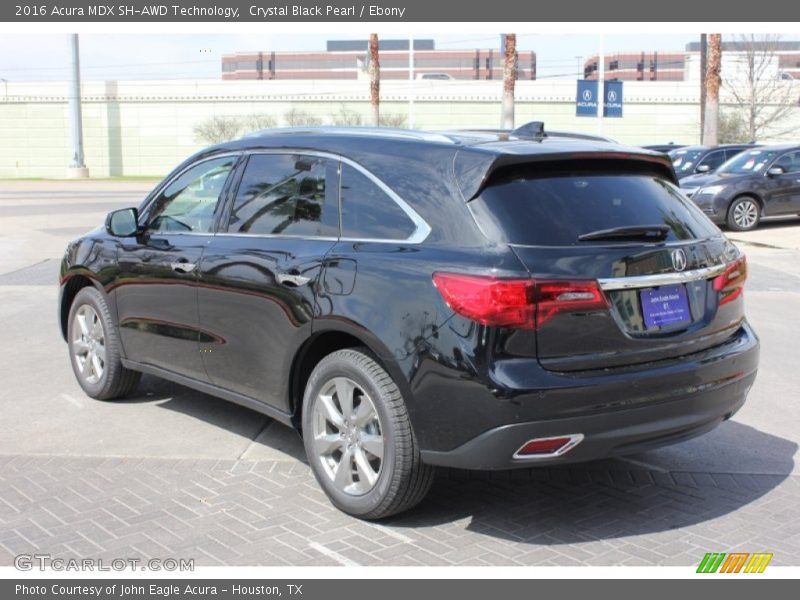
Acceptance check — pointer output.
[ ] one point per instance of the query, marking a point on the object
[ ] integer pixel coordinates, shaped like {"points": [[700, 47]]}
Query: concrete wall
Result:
{"points": [[144, 128]]}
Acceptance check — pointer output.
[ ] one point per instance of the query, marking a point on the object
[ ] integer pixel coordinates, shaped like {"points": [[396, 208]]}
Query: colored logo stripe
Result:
{"points": [[733, 563]]}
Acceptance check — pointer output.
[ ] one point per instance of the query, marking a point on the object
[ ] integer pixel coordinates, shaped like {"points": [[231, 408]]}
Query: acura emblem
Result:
{"points": [[678, 259]]}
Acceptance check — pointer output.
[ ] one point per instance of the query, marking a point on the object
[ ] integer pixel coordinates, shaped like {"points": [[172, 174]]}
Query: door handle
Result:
{"points": [[183, 267], [292, 280]]}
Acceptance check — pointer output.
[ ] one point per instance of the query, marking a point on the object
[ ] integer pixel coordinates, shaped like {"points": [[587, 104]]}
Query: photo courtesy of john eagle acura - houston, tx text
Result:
{"points": [[406, 300]]}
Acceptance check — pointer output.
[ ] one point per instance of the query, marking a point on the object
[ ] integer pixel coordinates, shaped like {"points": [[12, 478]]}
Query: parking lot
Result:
{"points": [[175, 473]]}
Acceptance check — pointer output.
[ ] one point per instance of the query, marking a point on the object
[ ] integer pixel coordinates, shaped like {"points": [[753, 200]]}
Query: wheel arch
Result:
{"points": [[330, 339], [72, 283], [748, 194]]}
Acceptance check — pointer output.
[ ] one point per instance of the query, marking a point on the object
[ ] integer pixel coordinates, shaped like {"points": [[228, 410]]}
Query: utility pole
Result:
{"points": [[509, 80], [703, 67], [77, 169], [712, 84], [374, 80]]}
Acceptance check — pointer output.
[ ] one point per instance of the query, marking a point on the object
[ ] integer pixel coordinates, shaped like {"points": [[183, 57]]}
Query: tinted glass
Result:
{"points": [[368, 212], [286, 194], [790, 163], [188, 204], [554, 211], [713, 159], [750, 161], [684, 160]]}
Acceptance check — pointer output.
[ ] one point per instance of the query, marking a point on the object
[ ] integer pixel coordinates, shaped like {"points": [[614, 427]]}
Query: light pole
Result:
{"points": [[76, 169]]}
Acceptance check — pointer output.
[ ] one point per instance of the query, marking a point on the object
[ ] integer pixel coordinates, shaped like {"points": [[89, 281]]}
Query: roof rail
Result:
{"points": [[535, 131], [415, 134]]}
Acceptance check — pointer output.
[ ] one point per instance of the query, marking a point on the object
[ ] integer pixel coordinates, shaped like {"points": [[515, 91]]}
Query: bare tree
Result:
{"points": [[713, 81], [374, 79], [509, 80], [760, 97], [218, 129]]}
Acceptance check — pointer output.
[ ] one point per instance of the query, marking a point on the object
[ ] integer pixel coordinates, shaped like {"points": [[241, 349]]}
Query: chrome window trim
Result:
{"points": [[645, 281], [421, 231]]}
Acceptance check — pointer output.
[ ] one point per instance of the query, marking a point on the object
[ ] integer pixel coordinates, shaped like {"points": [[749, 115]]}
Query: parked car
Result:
{"points": [[410, 299], [692, 160], [761, 182], [435, 76], [665, 148]]}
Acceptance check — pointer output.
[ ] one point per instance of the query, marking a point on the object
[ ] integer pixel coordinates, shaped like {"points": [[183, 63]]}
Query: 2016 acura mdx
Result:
{"points": [[409, 299]]}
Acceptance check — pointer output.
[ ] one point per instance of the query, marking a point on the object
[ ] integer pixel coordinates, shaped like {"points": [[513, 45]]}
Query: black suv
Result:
{"points": [[693, 160], [409, 299], [761, 182]]}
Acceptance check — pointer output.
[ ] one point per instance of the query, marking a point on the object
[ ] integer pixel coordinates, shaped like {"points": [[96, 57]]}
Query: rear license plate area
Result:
{"points": [[665, 307]]}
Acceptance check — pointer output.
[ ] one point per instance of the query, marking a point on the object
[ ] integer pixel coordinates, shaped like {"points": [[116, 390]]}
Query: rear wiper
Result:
{"points": [[648, 233]]}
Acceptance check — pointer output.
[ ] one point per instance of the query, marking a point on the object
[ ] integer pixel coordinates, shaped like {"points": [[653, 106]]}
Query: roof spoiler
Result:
{"points": [[472, 170]]}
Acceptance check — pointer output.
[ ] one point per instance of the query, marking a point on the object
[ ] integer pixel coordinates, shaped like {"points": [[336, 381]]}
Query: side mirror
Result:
{"points": [[123, 222], [775, 171], [703, 169]]}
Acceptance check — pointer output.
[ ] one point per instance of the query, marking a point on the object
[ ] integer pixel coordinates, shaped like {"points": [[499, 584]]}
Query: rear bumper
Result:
{"points": [[704, 401]]}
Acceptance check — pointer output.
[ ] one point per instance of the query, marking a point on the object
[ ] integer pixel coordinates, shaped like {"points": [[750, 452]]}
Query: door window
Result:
{"points": [[790, 163], [713, 160], [189, 203], [287, 194]]}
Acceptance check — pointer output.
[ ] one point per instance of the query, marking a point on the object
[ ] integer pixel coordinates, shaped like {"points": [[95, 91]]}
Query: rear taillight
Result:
{"points": [[731, 283], [554, 297], [489, 300], [520, 303]]}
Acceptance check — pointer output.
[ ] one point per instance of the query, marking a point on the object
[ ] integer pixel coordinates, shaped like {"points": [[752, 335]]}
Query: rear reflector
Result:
{"points": [[731, 283], [520, 303], [548, 447]]}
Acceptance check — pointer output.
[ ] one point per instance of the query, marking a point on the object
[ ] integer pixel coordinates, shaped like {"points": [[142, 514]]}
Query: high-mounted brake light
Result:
{"points": [[730, 284], [519, 303]]}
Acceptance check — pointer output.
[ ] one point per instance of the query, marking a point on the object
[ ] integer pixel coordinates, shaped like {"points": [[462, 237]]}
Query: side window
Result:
{"points": [[287, 194], [368, 212], [187, 205], [713, 159], [789, 162]]}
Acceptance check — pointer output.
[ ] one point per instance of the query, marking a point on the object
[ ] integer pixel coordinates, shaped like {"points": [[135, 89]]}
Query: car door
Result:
{"points": [[156, 288], [259, 274], [783, 190]]}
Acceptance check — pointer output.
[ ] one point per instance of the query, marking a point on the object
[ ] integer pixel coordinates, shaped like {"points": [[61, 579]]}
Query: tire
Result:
{"points": [[373, 486], [744, 214], [102, 378]]}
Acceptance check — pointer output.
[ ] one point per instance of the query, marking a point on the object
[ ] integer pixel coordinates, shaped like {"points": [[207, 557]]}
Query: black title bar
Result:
{"points": [[464, 11]]}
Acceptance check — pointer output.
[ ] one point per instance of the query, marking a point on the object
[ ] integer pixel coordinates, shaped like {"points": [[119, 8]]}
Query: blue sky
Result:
{"points": [[197, 56]]}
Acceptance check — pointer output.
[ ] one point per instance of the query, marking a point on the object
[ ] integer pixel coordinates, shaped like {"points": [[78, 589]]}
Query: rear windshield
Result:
{"points": [[554, 211]]}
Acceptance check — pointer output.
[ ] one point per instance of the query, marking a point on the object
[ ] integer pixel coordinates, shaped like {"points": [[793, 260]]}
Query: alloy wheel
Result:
{"points": [[348, 440], [88, 344], [745, 214]]}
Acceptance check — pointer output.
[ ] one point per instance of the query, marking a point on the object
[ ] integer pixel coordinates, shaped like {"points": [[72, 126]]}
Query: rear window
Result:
{"points": [[554, 211]]}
